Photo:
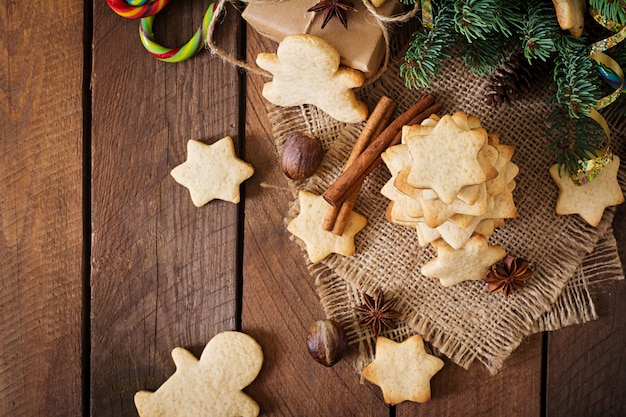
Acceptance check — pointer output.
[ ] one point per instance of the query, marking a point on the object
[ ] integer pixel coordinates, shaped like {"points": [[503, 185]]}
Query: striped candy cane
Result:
{"points": [[195, 44]]}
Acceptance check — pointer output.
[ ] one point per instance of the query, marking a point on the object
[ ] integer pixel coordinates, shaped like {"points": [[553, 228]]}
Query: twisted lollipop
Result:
{"points": [[135, 9], [195, 44]]}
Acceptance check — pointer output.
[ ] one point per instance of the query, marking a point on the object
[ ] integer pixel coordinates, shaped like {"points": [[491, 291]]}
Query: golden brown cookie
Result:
{"points": [[589, 200], [446, 158], [319, 242], [212, 171], [306, 70], [402, 370], [211, 386], [469, 263]]}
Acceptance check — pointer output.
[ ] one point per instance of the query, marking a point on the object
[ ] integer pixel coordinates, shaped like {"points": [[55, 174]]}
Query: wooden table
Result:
{"points": [[106, 265]]}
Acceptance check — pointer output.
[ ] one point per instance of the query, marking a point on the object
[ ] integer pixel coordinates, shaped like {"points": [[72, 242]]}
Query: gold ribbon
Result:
{"points": [[589, 169], [427, 14], [606, 62]]}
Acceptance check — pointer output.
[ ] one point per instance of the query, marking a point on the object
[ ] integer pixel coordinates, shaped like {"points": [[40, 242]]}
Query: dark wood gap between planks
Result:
{"points": [[87, 118], [543, 396], [241, 208]]}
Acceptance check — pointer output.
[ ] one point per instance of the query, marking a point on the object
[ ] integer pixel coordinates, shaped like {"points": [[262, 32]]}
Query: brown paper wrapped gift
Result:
{"points": [[361, 46]]}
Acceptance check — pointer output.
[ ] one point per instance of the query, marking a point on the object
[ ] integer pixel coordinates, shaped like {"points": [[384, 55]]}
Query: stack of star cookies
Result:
{"points": [[452, 181]]}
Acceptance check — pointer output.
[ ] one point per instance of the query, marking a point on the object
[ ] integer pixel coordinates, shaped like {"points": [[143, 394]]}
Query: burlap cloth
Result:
{"points": [[462, 322]]}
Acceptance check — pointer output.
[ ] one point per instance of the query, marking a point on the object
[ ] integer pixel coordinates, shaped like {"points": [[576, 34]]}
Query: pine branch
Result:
{"points": [[615, 10], [578, 88], [429, 48], [507, 16], [538, 30], [477, 19], [575, 76], [483, 56]]}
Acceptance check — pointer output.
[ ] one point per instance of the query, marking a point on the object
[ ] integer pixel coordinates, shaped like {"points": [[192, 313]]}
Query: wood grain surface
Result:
{"points": [[164, 272], [106, 265], [41, 203]]}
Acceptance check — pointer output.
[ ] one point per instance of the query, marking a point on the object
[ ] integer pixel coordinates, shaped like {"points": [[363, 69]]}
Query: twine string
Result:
{"points": [[214, 49], [382, 21]]}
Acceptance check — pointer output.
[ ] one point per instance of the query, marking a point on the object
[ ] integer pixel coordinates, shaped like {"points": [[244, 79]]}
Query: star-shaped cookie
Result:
{"points": [[319, 242], [212, 171], [589, 200], [402, 370], [469, 263], [446, 158]]}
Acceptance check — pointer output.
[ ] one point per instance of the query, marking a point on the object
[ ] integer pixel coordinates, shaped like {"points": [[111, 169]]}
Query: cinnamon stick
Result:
{"points": [[373, 127], [346, 209], [337, 192], [353, 194], [356, 186]]}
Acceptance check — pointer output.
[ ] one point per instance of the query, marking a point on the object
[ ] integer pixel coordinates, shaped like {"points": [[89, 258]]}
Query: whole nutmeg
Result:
{"points": [[302, 155], [327, 342]]}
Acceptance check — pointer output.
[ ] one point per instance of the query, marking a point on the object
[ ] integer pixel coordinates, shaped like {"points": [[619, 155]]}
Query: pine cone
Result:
{"points": [[509, 81]]}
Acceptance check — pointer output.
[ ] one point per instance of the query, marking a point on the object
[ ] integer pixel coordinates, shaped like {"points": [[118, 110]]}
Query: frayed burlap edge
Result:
{"points": [[599, 266]]}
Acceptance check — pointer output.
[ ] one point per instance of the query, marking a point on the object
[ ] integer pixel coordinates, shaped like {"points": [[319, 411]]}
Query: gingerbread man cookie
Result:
{"points": [[210, 386], [307, 70]]}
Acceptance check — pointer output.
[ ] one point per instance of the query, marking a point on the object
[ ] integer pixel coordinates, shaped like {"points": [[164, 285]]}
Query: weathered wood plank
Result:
{"points": [[41, 199], [514, 391], [587, 363], [279, 297], [163, 271]]}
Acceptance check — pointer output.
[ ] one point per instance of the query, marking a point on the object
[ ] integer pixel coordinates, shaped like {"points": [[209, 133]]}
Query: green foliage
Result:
{"points": [[615, 10], [429, 49], [575, 137], [483, 56], [538, 31], [478, 19], [486, 28], [575, 76]]}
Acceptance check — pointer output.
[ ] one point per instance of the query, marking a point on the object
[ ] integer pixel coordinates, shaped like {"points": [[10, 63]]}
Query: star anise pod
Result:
{"points": [[378, 312], [334, 8], [511, 274]]}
